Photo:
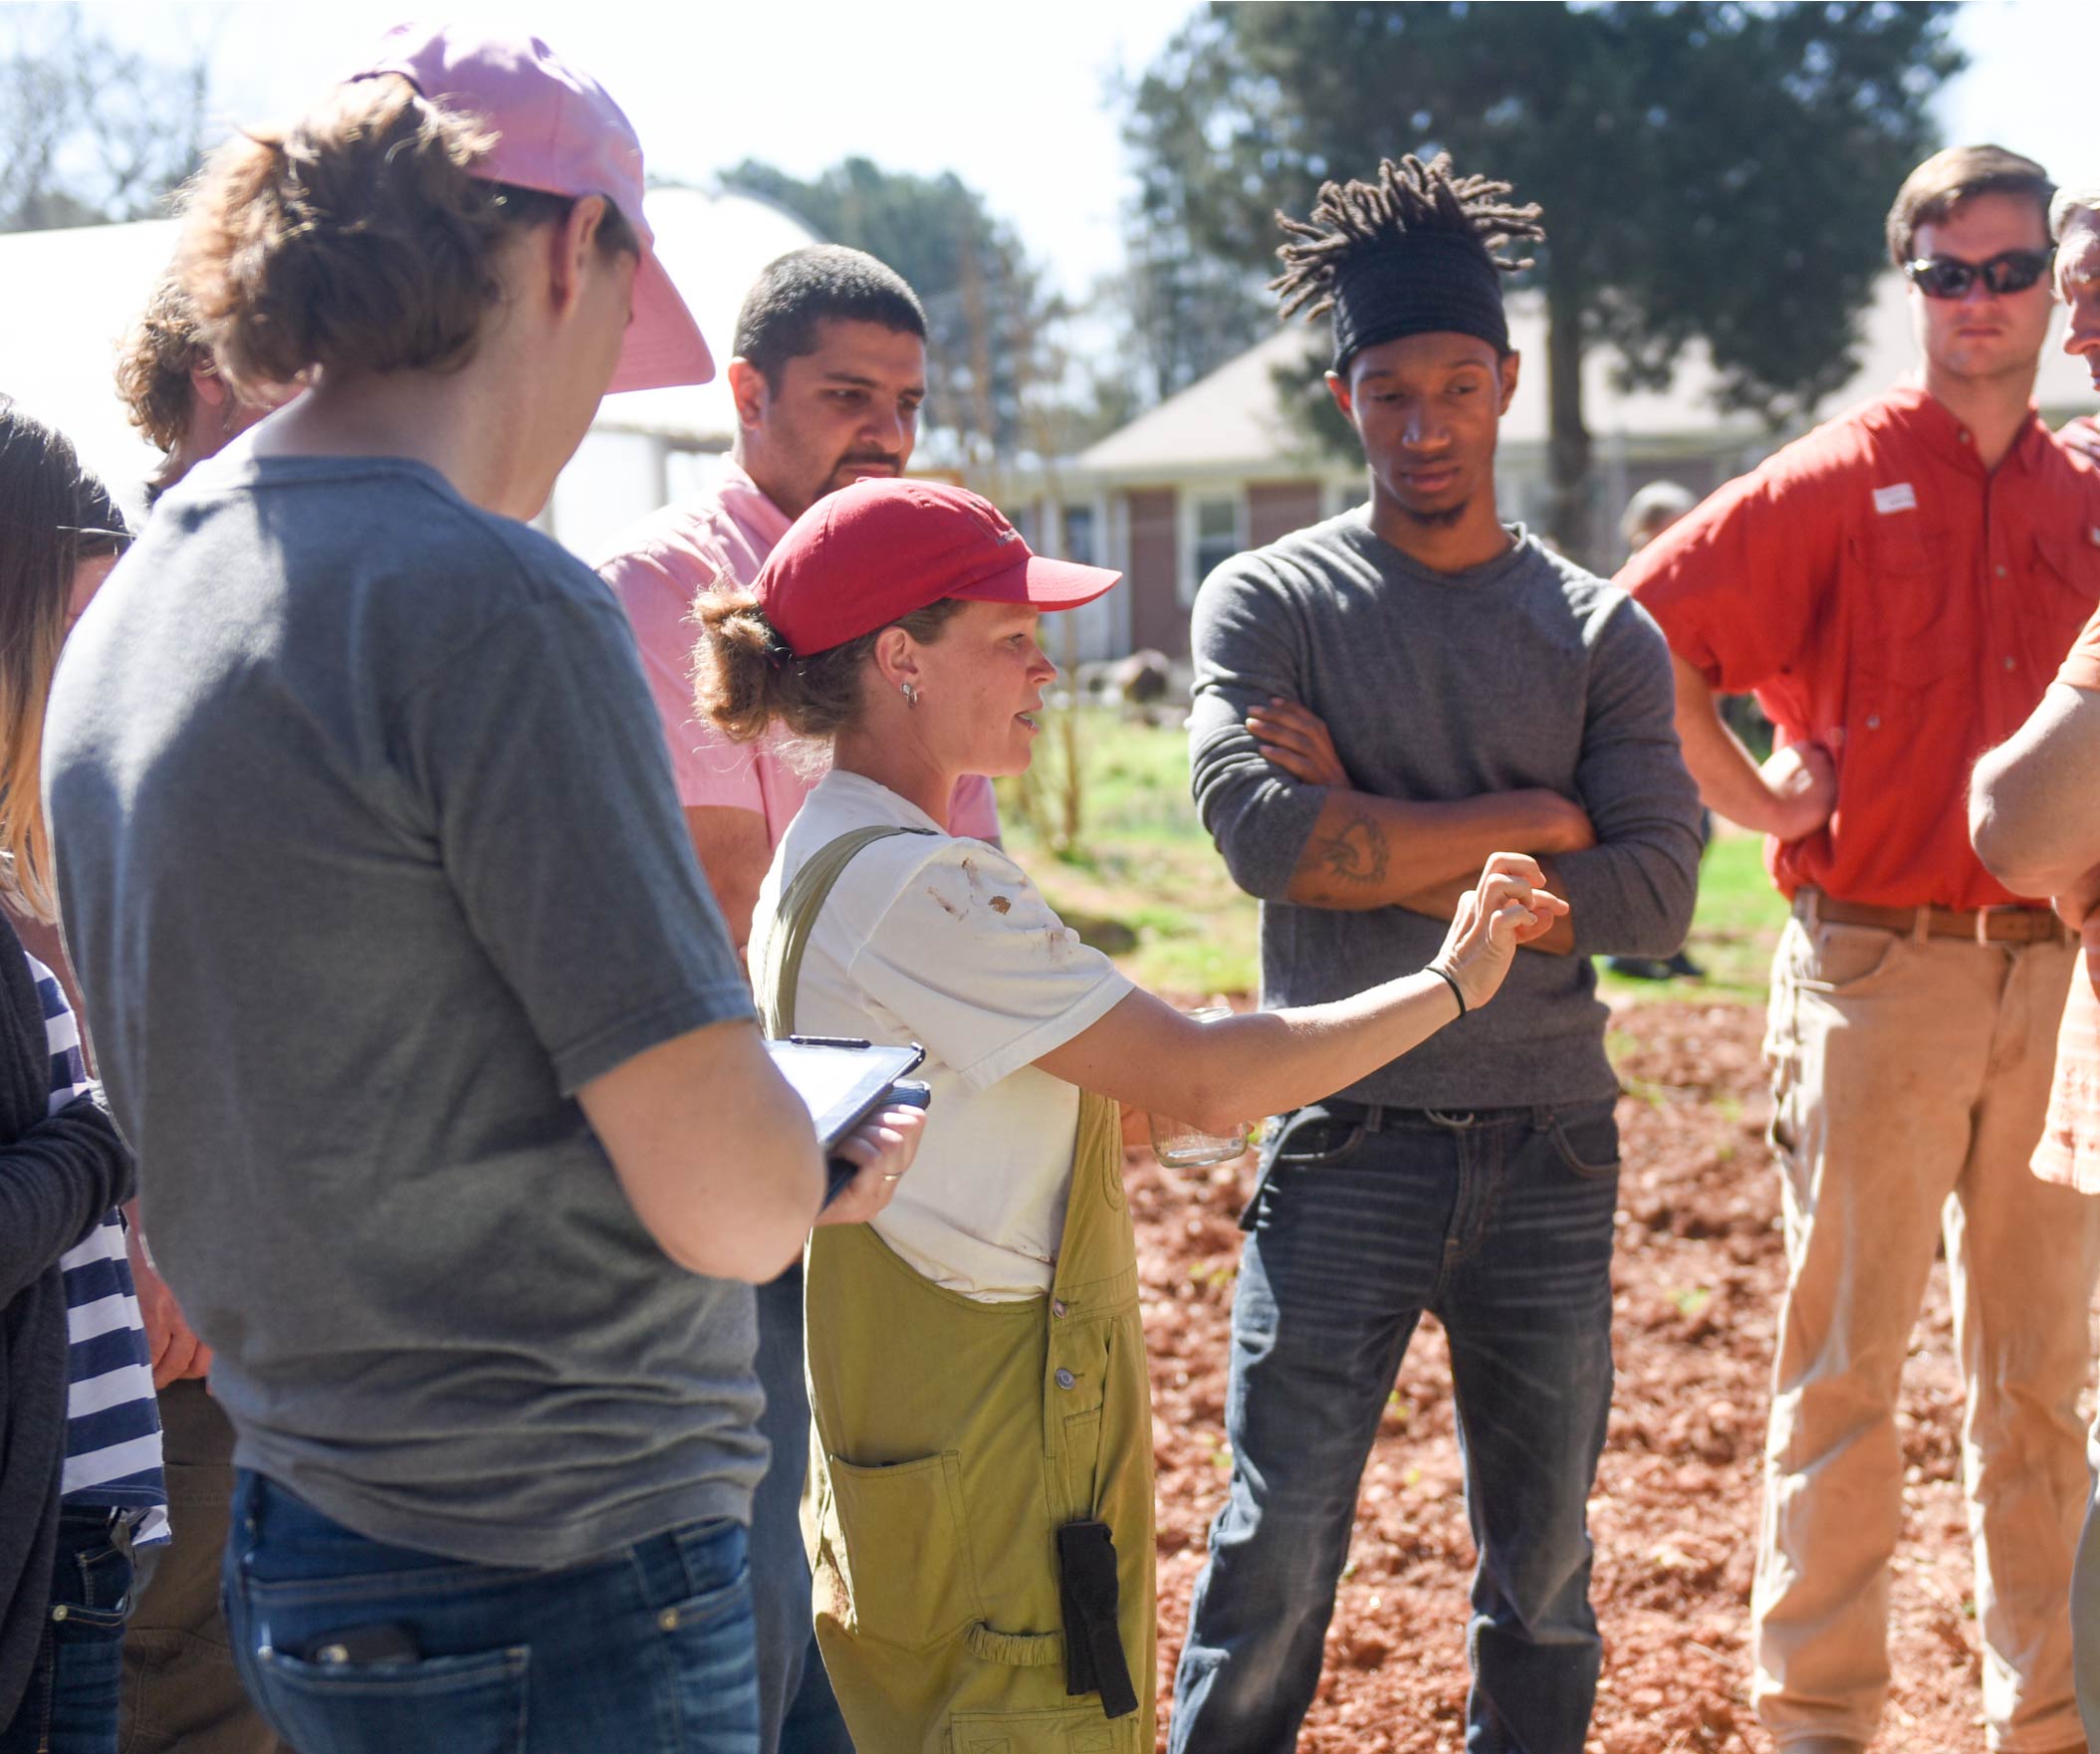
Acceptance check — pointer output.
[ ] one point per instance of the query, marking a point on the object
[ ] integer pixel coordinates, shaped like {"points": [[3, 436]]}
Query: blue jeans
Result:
{"points": [[796, 1712], [351, 1647], [1500, 1223], [70, 1706], [75, 1683]]}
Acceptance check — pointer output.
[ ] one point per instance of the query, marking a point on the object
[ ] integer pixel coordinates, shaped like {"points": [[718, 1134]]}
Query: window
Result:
{"points": [[1217, 538], [1079, 540]]}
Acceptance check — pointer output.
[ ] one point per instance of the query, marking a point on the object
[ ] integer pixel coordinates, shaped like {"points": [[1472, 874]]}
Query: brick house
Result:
{"points": [[1221, 467]]}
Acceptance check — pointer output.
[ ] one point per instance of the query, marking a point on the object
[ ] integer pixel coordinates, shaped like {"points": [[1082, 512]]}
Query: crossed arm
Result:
{"points": [[1367, 851], [2033, 807], [1294, 826], [1631, 877]]}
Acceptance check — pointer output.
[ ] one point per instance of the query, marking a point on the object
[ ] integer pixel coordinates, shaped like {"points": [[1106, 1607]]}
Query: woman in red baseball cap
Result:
{"points": [[407, 988], [983, 1483]]}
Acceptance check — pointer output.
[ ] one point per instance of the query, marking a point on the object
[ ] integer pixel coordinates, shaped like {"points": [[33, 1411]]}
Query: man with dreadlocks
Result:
{"points": [[1899, 587], [1383, 701]]}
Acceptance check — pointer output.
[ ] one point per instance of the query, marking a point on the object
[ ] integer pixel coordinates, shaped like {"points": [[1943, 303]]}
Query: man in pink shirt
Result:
{"points": [[829, 373]]}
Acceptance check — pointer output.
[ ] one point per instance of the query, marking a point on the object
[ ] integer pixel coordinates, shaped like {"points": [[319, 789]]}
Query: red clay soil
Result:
{"points": [[1699, 1272]]}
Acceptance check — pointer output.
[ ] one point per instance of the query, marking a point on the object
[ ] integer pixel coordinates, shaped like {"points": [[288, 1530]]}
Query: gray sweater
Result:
{"points": [[1439, 686]]}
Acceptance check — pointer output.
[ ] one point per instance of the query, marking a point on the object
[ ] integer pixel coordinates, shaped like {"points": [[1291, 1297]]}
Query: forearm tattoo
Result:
{"points": [[1357, 855]]}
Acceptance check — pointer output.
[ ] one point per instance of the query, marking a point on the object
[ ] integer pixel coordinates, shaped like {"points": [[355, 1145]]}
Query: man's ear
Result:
{"points": [[1338, 388], [1510, 363], [574, 242], [207, 386], [749, 389]]}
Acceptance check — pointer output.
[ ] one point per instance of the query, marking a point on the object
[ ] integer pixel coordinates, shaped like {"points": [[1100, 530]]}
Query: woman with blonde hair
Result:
{"points": [[462, 1147], [982, 1489], [80, 1478]]}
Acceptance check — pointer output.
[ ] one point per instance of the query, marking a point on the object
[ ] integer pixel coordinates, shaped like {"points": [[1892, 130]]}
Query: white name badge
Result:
{"points": [[1899, 498]]}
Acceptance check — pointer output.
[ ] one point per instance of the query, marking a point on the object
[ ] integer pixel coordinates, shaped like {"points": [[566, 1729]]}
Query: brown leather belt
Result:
{"points": [[2008, 925]]}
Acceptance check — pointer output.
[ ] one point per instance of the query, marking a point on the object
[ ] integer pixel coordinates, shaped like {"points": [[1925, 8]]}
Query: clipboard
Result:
{"points": [[842, 1083]]}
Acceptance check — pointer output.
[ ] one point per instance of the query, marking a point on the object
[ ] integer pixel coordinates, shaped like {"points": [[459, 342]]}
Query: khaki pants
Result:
{"points": [[1906, 1070]]}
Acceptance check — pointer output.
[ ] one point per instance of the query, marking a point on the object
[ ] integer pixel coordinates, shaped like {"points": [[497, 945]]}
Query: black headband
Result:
{"points": [[1423, 282]]}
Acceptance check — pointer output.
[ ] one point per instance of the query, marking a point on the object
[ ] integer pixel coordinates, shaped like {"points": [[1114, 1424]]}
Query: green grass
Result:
{"points": [[1127, 864], [1734, 929], [1140, 877]]}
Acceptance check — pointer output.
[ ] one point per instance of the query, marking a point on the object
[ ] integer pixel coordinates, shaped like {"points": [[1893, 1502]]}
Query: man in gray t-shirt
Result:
{"points": [[1381, 702], [369, 859]]}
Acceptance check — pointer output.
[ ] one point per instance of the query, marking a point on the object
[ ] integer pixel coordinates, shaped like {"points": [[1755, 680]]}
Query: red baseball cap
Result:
{"points": [[556, 130], [872, 552]]}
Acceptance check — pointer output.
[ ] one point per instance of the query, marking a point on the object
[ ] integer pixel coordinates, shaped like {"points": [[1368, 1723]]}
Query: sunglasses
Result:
{"points": [[1949, 277], [92, 537]]}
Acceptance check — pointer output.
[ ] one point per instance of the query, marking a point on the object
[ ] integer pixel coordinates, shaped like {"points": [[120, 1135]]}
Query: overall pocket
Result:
{"points": [[900, 1542], [1074, 1729], [1087, 1359]]}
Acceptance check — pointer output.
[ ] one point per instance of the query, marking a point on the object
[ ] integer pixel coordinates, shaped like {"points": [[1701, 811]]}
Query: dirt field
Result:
{"points": [[1699, 1272]]}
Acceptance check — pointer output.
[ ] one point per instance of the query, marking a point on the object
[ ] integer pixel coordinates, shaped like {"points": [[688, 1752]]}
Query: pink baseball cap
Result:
{"points": [[872, 552], [556, 130]]}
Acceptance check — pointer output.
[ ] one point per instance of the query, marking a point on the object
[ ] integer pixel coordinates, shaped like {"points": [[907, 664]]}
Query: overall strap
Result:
{"points": [[801, 902]]}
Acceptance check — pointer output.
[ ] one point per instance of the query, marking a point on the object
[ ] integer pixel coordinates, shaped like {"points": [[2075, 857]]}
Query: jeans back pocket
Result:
{"points": [[473, 1704]]}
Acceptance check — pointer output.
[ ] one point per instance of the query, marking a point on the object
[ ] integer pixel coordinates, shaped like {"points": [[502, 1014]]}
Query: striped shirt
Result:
{"points": [[112, 1422]]}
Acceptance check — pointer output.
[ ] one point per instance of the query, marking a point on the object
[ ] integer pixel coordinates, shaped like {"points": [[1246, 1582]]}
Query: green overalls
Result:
{"points": [[954, 1441]]}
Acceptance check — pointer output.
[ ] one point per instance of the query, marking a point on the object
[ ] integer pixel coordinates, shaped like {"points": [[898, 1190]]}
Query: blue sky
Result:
{"points": [[1015, 98]]}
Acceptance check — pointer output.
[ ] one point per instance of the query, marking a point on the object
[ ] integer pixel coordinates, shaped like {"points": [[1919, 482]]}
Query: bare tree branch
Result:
{"points": [[90, 131]]}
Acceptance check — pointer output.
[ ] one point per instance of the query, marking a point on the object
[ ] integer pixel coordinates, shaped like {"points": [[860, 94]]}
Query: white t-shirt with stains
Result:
{"points": [[944, 940]]}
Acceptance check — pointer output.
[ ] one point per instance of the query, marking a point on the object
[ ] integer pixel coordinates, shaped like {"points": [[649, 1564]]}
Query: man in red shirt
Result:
{"points": [[2034, 813], [1898, 588]]}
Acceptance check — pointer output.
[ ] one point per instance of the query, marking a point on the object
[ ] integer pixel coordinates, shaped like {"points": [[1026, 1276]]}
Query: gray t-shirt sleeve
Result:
{"points": [[544, 773], [1248, 641], [1632, 893]]}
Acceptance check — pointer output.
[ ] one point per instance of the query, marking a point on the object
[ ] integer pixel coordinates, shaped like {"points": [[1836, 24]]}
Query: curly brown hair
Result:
{"points": [[153, 367], [357, 237], [745, 677]]}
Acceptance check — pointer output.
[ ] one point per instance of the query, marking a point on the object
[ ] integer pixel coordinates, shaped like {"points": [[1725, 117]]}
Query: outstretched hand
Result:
{"points": [[883, 1146], [1509, 905]]}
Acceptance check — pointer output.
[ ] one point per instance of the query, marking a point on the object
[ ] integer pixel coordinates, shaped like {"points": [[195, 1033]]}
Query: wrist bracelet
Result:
{"points": [[1451, 980]]}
